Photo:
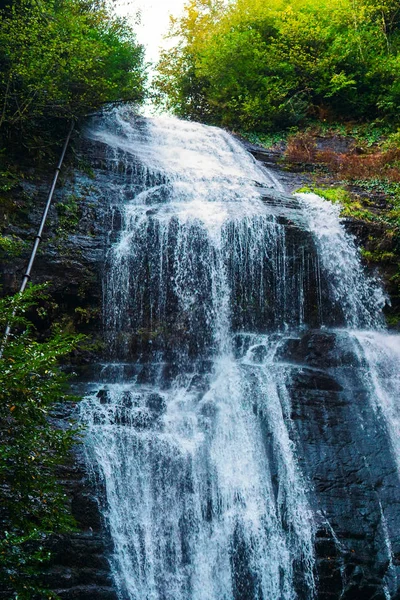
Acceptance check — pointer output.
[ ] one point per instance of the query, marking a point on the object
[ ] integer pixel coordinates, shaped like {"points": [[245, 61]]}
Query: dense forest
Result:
{"points": [[254, 65]]}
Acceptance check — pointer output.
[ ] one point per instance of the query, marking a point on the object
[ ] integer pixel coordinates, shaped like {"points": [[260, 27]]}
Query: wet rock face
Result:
{"points": [[342, 444], [71, 259], [79, 567], [71, 255], [344, 451]]}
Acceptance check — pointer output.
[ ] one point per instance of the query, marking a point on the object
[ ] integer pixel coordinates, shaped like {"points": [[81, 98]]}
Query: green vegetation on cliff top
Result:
{"points": [[60, 60], [256, 65]]}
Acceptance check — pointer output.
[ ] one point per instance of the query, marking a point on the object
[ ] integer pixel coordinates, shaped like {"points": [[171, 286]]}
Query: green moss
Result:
{"points": [[11, 246], [357, 212], [379, 256], [68, 215], [334, 194], [351, 205]]}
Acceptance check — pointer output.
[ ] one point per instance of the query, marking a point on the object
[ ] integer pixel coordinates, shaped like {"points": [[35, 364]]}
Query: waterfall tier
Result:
{"points": [[245, 426]]}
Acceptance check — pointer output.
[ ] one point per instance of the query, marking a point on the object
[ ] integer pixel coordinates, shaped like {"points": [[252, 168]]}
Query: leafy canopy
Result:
{"points": [[62, 59], [254, 65]]}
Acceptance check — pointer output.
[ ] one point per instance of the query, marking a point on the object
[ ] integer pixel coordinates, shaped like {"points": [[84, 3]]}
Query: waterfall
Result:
{"points": [[210, 270], [361, 298]]}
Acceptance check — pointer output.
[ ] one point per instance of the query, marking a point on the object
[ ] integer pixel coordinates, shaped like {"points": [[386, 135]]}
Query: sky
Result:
{"points": [[154, 21]]}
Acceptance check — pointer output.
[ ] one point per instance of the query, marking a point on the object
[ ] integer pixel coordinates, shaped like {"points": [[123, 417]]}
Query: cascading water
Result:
{"points": [[210, 270], [360, 298]]}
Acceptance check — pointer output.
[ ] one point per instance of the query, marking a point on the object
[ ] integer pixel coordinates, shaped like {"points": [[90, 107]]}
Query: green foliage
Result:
{"points": [[8, 180], [33, 505], [367, 135], [392, 141], [68, 215], [333, 194], [257, 65], [379, 256], [391, 190], [351, 206], [268, 140], [86, 315], [386, 186], [62, 59], [10, 246]]}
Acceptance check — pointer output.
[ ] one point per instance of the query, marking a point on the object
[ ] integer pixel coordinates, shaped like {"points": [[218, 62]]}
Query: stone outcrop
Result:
{"points": [[344, 450]]}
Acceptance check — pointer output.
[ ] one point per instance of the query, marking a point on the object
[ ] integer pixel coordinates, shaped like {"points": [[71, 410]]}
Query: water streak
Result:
{"points": [[361, 298]]}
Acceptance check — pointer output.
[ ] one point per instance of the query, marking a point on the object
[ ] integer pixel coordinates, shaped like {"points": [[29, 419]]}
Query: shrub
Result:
{"points": [[33, 504]]}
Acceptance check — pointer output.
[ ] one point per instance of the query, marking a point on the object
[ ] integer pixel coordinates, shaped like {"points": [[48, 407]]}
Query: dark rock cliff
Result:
{"points": [[344, 451], [345, 465], [79, 568], [70, 260]]}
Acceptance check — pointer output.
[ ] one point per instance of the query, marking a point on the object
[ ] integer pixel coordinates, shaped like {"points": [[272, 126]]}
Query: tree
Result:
{"points": [[257, 65], [62, 59]]}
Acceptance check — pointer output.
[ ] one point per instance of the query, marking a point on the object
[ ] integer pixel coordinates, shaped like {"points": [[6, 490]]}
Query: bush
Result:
{"points": [[33, 505]]}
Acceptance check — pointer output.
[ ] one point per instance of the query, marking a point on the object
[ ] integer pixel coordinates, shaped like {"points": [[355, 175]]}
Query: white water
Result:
{"points": [[205, 497], [360, 297], [380, 355]]}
